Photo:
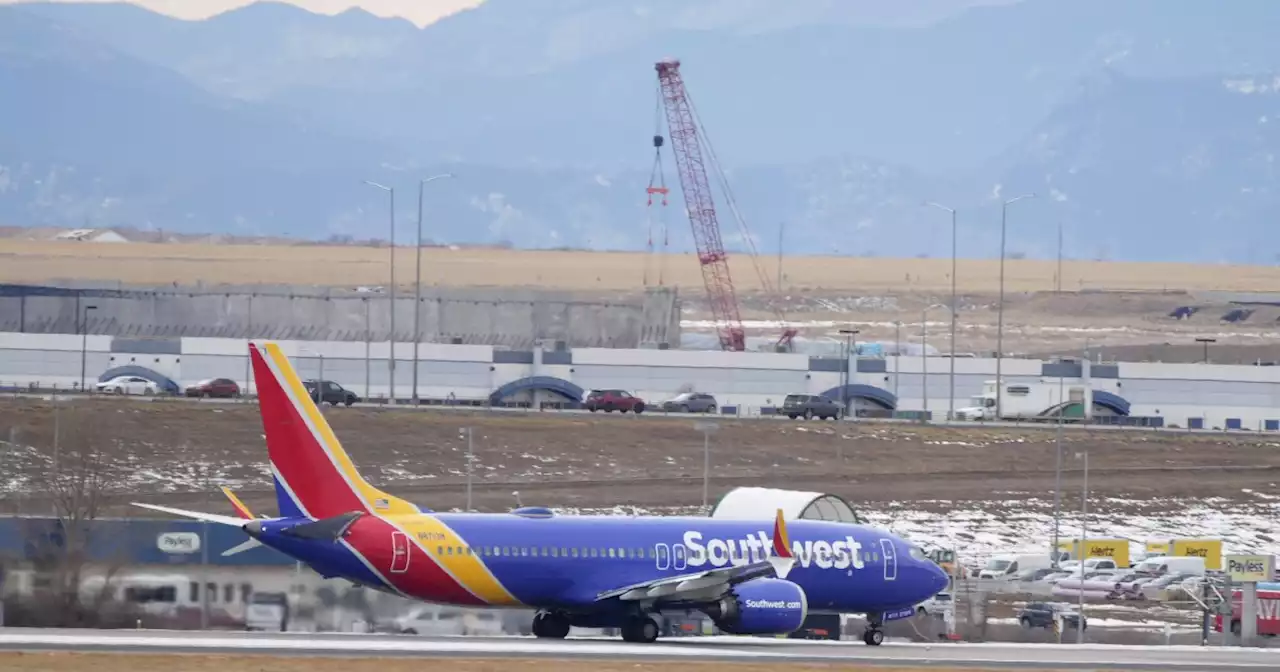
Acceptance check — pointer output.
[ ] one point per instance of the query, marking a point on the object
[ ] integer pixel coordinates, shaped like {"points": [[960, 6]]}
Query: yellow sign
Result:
{"points": [[1209, 549], [1115, 549], [1157, 548], [1246, 568]]}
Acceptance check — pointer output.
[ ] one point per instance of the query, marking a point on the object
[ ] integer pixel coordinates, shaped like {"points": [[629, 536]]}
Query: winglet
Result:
{"points": [[241, 510], [782, 558], [781, 543]]}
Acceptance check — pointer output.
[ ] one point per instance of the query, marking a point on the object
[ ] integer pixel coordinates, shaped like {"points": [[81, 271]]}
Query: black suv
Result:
{"points": [[811, 406], [331, 393], [1041, 615]]}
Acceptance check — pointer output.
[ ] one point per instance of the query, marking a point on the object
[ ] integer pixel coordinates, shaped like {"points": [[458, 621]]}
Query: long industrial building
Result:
{"points": [[507, 317], [744, 383]]}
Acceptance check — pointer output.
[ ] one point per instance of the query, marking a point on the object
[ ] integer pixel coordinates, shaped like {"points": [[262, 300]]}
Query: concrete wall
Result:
{"points": [[1215, 395], [511, 317]]}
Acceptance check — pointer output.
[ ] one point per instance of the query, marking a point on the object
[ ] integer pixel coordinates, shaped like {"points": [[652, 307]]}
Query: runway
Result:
{"points": [[891, 654]]}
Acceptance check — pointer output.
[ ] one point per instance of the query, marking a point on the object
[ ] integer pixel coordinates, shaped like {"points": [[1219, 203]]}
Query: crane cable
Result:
{"points": [[658, 178]]}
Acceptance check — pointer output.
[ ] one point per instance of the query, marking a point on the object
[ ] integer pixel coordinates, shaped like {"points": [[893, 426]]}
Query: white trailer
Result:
{"points": [[1039, 400]]}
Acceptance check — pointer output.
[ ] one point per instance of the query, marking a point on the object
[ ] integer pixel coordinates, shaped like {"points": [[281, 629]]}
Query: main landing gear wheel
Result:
{"points": [[642, 630], [873, 637], [550, 626]]}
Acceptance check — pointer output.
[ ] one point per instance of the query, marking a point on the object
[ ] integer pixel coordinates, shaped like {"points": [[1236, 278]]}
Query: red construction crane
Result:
{"points": [[686, 144]]}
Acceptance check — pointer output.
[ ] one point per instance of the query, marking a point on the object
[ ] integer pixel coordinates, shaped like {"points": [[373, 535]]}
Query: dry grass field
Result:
{"points": [[26, 261], [119, 662]]}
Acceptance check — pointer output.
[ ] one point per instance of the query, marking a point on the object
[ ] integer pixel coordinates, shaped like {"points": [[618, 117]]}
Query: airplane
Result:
{"points": [[749, 577]]}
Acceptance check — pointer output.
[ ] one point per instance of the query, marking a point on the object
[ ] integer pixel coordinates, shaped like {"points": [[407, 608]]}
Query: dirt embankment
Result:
{"points": [[179, 453]]}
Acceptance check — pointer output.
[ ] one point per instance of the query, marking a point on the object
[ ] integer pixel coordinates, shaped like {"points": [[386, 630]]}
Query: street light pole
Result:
{"points": [[848, 354], [470, 459], [1004, 217], [417, 283], [706, 428], [84, 342], [1084, 534], [924, 355], [1206, 342], [391, 355], [1057, 478], [951, 377]]}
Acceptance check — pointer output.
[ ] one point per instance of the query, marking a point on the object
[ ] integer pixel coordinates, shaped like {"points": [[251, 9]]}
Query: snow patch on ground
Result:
{"points": [[977, 532]]}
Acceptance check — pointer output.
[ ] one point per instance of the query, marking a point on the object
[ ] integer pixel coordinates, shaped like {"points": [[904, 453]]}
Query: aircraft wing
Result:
{"points": [[711, 584], [708, 585]]}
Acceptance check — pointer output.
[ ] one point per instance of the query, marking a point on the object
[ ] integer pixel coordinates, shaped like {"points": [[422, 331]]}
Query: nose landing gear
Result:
{"points": [[873, 635]]}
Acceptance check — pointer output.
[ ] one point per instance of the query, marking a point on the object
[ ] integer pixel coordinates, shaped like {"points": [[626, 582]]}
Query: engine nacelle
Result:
{"points": [[761, 607]]}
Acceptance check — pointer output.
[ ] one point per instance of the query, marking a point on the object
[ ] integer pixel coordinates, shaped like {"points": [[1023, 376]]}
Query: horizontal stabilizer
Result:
{"points": [[208, 517], [329, 529], [246, 546]]}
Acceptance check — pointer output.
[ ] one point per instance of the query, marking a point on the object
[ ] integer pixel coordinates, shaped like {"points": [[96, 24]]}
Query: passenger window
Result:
{"points": [[448, 550], [439, 550], [228, 593], [195, 591], [574, 551], [524, 551], [611, 552], [595, 552]]}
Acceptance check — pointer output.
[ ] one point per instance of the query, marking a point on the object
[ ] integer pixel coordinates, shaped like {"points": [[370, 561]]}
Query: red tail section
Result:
{"points": [[314, 476]]}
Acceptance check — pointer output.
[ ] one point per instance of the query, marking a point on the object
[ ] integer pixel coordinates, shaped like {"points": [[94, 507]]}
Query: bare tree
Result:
{"points": [[72, 482]]}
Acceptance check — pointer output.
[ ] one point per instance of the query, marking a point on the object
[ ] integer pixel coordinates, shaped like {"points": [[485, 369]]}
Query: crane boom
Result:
{"points": [[687, 148]]}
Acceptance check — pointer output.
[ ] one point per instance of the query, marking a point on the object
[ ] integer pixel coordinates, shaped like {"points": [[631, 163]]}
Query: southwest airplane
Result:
{"points": [[751, 578]]}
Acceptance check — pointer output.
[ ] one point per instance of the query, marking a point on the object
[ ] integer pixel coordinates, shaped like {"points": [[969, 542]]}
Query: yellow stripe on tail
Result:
{"points": [[241, 510]]}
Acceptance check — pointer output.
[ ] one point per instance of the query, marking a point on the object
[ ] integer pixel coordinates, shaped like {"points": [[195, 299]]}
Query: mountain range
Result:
{"points": [[1147, 128]]}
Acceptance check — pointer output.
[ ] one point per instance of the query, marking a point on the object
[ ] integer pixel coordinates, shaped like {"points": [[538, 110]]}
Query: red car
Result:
{"points": [[613, 400], [222, 388]]}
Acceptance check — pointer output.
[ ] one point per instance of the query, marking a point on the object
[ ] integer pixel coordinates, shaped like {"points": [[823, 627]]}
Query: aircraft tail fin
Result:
{"points": [[314, 477]]}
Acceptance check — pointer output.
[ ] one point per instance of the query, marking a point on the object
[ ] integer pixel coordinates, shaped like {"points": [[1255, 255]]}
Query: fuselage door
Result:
{"points": [[678, 556], [399, 552], [664, 556], [890, 555]]}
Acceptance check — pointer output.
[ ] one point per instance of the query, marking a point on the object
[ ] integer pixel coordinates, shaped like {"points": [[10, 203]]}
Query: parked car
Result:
{"points": [[613, 400], [811, 406], [128, 385], [436, 621], [267, 611], [215, 388], [1043, 614], [936, 605], [331, 393], [1035, 574], [690, 402]]}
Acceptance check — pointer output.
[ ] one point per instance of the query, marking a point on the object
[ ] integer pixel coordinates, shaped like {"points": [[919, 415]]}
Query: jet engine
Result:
{"points": [[760, 607]]}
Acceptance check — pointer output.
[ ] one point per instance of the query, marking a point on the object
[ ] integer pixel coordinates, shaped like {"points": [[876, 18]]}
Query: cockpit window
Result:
{"points": [[917, 554]]}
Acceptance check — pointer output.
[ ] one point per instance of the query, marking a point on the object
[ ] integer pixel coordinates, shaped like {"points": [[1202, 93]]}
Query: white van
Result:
{"points": [[1171, 564], [267, 611], [1005, 566]]}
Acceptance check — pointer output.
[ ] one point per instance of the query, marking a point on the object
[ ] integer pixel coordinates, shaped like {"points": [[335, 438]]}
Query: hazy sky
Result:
{"points": [[420, 12]]}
